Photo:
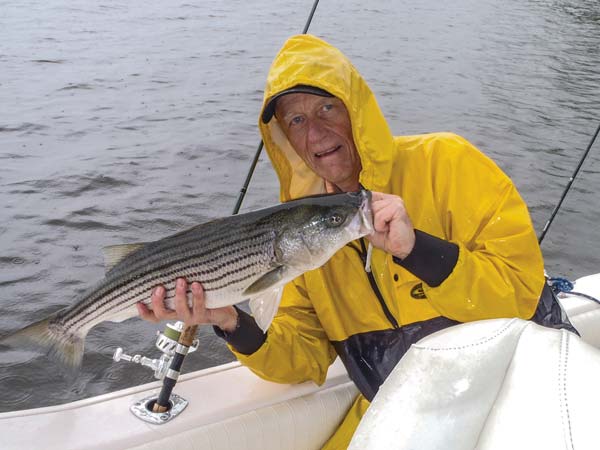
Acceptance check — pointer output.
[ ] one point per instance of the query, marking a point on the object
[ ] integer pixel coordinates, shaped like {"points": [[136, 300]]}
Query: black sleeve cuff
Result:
{"points": [[247, 336], [432, 259]]}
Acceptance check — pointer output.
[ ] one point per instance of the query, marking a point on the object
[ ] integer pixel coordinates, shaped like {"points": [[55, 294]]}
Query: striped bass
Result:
{"points": [[249, 256]]}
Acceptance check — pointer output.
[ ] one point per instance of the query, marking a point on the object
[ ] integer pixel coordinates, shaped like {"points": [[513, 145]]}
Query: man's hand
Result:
{"points": [[394, 232], [225, 318]]}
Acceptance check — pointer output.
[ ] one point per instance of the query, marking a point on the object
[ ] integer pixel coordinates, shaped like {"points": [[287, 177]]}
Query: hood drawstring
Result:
{"points": [[368, 258]]}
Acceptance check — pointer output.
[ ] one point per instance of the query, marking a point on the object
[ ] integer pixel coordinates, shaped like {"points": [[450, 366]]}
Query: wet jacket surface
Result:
{"points": [[453, 193]]}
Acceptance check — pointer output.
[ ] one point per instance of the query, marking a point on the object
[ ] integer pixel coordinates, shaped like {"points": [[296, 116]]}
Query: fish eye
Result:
{"points": [[335, 220]]}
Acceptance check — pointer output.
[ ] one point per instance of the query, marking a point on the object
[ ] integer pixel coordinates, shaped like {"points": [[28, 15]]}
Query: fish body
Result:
{"points": [[249, 256]]}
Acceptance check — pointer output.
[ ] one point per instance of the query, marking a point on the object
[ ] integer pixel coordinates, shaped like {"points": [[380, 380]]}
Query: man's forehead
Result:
{"points": [[301, 100]]}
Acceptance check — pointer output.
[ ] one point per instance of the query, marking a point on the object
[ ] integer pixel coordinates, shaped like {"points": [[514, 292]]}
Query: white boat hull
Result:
{"points": [[230, 407]]}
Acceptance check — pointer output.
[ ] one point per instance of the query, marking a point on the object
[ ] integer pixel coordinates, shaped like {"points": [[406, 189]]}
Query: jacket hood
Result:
{"points": [[308, 60]]}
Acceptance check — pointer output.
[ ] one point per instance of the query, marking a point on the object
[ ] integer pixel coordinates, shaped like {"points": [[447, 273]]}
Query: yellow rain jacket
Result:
{"points": [[450, 190]]}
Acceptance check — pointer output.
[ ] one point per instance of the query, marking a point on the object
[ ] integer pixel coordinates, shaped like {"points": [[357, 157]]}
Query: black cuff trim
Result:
{"points": [[432, 259], [247, 336]]}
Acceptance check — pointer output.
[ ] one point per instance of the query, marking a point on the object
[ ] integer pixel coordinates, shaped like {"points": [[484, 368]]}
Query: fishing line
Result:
{"points": [[244, 189], [569, 184]]}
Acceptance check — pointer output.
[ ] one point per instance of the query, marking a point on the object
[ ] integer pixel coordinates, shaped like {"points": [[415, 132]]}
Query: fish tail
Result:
{"points": [[50, 336]]}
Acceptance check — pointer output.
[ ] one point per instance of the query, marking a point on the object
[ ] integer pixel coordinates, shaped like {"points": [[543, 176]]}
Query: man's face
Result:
{"points": [[319, 129]]}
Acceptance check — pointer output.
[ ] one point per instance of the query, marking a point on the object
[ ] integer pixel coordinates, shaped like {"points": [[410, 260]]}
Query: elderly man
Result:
{"points": [[453, 243]]}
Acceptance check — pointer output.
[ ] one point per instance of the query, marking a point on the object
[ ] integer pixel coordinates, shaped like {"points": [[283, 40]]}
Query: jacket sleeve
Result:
{"points": [[499, 269], [296, 348]]}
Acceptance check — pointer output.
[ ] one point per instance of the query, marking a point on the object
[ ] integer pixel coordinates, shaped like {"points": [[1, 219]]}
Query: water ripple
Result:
{"points": [[85, 225], [72, 86], [100, 182], [79, 185], [11, 260], [25, 126], [88, 211], [49, 61], [16, 390], [14, 156]]}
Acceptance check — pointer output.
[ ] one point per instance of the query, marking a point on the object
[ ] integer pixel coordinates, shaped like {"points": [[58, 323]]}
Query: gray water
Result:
{"points": [[125, 121]]}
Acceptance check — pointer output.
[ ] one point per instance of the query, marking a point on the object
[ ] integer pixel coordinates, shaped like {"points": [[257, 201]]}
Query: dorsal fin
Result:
{"points": [[114, 254]]}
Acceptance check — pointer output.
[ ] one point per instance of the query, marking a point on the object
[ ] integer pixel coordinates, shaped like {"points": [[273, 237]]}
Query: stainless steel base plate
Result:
{"points": [[142, 409]]}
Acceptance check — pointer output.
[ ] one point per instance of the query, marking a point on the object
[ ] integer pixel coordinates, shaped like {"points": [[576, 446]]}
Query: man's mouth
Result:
{"points": [[328, 151]]}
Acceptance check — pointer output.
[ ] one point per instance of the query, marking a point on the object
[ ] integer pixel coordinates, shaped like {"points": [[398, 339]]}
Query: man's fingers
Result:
{"points": [[181, 301], [389, 201], [376, 196], [394, 231], [158, 305], [384, 216], [198, 305], [194, 314], [146, 314], [199, 312]]}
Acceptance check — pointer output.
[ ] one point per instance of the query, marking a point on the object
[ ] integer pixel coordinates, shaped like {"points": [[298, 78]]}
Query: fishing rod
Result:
{"points": [[186, 339], [569, 184], [244, 189]]}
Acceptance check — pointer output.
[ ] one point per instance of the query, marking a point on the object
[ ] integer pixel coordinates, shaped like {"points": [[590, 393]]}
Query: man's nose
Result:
{"points": [[316, 131]]}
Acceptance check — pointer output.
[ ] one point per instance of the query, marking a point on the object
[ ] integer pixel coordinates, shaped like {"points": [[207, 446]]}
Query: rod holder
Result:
{"points": [[167, 342], [142, 409]]}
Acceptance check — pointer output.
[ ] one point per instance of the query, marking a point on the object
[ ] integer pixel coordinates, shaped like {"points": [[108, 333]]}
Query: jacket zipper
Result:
{"points": [[375, 288]]}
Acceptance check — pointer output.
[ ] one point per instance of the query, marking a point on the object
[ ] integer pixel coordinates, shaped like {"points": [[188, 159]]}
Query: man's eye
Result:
{"points": [[297, 120], [327, 107]]}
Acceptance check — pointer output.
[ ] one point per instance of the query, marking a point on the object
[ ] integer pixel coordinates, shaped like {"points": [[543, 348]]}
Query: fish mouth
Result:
{"points": [[366, 213], [328, 151]]}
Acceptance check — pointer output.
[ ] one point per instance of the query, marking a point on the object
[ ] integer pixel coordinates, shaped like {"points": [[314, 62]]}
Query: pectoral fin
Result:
{"points": [[268, 280], [114, 254], [264, 307]]}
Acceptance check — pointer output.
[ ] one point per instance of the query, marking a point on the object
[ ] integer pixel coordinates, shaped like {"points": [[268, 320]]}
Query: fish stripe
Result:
{"points": [[131, 300], [143, 259], [154, 278], [109, 288]]}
